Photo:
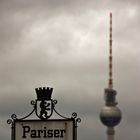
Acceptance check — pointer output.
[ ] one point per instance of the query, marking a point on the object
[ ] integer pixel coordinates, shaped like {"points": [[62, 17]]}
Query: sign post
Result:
{"points": [[44, 127]]}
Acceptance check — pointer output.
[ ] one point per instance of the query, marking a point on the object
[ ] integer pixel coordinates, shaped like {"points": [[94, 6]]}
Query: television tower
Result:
{"points": [[110, 115]]}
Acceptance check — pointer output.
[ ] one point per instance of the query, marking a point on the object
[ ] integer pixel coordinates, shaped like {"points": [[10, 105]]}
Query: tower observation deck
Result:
{"points": [[110, 114]]}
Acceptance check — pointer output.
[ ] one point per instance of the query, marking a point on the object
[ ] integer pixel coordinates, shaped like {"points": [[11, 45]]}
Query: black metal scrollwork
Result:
{"points": [[9, 121], [44, 106], [77, 120], [74, 115], [13, 117]]}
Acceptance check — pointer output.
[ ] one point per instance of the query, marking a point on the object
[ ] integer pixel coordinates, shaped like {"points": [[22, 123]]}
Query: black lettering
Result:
{"points": [[39, 133], [56, 133], [50, 133], [33, 134], [42, 133], [26, 129], [45, 134], [62, 131]]}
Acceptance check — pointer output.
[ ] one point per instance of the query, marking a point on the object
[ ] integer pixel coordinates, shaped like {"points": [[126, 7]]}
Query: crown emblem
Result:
{"points": [[44, 93]]}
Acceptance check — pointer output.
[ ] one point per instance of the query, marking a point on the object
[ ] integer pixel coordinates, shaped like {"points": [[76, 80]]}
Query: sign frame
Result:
{"points": [[50, 120]]}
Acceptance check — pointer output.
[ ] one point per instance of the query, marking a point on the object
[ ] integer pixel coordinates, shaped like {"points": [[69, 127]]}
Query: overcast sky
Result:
{"points": [[64, 44]]}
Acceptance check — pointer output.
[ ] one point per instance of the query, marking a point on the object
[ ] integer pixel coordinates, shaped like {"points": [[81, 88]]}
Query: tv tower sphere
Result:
{"points": [[110, 114]]}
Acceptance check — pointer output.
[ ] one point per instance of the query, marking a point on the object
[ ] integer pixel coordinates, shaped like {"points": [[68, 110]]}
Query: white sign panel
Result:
{"points": [[44, 130]]}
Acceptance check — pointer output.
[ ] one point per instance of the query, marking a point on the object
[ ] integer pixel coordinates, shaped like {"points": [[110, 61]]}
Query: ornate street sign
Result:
{"points": [[44, 127]]}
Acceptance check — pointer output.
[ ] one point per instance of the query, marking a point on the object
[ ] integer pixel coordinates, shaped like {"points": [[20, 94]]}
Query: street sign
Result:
{"points": [[44, 129]]}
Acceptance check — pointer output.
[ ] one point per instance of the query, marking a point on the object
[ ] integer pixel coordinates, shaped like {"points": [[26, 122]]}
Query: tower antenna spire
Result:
{"points": [[110, 81]]}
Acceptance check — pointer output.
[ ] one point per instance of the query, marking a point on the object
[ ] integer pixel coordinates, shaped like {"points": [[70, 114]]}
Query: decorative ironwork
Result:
{"points": [[43, 107], [77, 120]]}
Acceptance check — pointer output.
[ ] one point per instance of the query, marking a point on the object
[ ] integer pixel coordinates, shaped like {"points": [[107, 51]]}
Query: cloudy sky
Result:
{"points": [[64, 44]]}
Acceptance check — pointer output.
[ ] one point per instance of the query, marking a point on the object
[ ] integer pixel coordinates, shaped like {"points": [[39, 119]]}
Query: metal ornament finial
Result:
{"points": [[110, 82]]}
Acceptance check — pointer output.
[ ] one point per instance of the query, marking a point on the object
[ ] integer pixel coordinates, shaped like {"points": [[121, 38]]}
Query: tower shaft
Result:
{"points": [[110, 133], [110, 82], [110, 137]]}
